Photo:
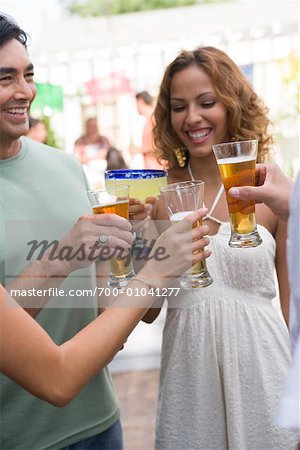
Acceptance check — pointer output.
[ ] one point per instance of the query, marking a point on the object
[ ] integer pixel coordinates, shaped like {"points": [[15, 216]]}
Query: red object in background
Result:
{"points": [[109, 86]]}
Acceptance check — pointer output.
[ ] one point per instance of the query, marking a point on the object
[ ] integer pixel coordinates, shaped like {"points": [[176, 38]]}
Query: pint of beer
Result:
{"points": [[200, 267], [181, 199], [115, 200], [236, 161], [121, 208]]}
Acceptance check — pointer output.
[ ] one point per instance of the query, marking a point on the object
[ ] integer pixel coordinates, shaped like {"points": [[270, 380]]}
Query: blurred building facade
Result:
{"points": [[100, 63]]}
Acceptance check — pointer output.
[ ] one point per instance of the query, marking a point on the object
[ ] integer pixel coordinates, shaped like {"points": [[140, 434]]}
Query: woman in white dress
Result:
{"points": [[225, 347]]}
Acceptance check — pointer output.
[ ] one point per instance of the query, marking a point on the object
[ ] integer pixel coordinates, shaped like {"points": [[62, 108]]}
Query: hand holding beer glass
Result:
{"points": [[236, 161], [115, 200], [181, 199]]}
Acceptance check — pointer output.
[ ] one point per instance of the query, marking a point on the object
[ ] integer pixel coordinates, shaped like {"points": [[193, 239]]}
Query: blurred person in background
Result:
{"points": [[37, 130], [91, 146], [145, 106], [91, 150], [115, 160]]}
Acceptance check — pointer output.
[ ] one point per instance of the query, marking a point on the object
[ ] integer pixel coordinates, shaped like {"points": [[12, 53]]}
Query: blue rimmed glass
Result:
{"points": [[143, 183]]}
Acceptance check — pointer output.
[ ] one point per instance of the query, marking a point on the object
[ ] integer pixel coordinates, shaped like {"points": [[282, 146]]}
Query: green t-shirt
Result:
{"points": [[44, 188]]}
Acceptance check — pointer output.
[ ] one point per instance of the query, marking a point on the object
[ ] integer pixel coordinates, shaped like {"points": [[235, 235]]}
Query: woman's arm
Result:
{"points": [[281, 268], [156, 227], [57, 373], [48, 272]]}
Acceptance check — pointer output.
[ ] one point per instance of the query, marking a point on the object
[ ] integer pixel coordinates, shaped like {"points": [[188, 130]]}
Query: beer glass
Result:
{"points": [[236, 161], [143, 183], [115, 200], [180, 200]]}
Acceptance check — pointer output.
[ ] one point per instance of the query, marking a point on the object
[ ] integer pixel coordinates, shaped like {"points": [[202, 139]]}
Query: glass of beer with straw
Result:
{"points": [[115, 200], [236, 161], [180, 200]]}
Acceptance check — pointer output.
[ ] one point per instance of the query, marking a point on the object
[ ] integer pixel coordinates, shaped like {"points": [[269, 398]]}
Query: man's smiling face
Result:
{"points": [[17, 91]]}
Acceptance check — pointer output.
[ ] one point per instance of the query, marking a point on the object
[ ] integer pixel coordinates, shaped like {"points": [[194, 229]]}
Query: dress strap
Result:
{"points": [[215, 202]]}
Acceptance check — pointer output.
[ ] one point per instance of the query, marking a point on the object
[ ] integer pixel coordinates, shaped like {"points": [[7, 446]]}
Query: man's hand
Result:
{"points": [[272, 187]]}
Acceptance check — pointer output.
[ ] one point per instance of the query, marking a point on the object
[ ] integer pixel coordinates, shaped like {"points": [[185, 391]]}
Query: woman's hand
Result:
{"points": [[92, 238], [177, 250]]}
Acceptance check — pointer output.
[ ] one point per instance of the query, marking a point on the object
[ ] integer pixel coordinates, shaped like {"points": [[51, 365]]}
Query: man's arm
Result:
{"points": [[273, 188]]}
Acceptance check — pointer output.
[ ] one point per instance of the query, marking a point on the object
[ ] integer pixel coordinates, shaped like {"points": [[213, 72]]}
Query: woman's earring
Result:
{"points": [[180, 156]]}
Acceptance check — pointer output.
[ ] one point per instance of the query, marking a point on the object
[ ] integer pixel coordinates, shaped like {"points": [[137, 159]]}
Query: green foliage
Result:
{"points": [[94, 8], [51, 138]]}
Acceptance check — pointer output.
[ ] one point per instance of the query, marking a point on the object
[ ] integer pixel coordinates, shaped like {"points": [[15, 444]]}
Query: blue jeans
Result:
{"points": [[110, 439]]}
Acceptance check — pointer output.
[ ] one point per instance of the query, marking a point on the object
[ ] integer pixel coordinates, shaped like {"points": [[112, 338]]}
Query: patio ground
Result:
{"points": [[137, 391]]}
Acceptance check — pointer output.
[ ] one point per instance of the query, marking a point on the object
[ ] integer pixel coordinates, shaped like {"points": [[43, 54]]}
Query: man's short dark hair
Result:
{"points": [[9, 29], [33, 122], [144, 95]]}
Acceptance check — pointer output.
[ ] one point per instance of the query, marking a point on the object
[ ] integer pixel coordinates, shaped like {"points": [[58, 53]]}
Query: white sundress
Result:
{"points": [[225, 354]]}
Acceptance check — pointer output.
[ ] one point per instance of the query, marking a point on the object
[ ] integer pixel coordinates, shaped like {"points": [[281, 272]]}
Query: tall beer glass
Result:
{"points": [[115, 200], [236, 161], [180, 200], [143, 184]]}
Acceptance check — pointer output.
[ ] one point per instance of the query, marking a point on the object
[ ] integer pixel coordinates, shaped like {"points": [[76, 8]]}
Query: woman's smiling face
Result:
{"points": [[197, 116]]}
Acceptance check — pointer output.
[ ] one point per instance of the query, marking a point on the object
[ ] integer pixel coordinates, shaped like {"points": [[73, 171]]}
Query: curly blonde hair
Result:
{"points": [[246, 113]]}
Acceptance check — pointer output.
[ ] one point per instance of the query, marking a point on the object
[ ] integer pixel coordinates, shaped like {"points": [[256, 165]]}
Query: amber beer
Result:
{"points": [[121, 208], [120, 266], [239, 171], [236, 161], [199, 267]]}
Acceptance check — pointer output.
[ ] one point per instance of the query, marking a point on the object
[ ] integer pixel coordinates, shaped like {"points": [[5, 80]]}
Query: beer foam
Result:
{"points": [[236, 159], [111, 204], [180, 215]]}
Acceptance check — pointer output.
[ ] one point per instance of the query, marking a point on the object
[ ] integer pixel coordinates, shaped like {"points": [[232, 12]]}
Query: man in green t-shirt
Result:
{"points": [[43, 189]]}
